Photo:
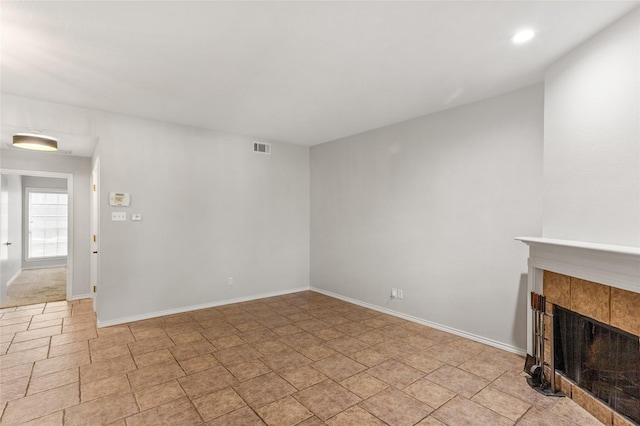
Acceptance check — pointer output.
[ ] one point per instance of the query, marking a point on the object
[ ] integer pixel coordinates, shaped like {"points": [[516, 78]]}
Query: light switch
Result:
{"points": [[136, 216], [118, 216]]}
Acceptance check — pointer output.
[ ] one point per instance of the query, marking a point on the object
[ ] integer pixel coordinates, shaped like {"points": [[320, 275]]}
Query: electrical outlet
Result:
{"points": [[394, 293], [230, 281], [400, 294]]}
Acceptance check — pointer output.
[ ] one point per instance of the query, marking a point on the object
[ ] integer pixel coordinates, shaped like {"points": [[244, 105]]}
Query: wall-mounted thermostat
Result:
{"points": [[119, 199]]}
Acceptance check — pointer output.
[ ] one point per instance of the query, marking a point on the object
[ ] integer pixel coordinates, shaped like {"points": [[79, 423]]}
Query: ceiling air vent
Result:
{"points": [[262, 148]]}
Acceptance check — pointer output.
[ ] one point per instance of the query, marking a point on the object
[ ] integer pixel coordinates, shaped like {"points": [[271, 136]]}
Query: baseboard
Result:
{"points": [[27, 268], [196, 307], [13, 278], [437, 326], [80, 296], [470, 336]]}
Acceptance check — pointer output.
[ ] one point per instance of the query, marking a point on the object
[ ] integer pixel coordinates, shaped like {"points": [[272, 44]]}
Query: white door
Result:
{"points": [[95, 218], [10, 230], [4, 238]]}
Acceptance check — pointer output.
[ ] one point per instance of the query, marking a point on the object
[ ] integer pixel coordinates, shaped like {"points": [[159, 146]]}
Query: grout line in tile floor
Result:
{"points": [[297, 359]]}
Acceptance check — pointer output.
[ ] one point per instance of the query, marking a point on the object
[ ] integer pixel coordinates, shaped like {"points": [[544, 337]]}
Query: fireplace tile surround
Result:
{"points": [[598, 281], [609, 305], [625, 310]]}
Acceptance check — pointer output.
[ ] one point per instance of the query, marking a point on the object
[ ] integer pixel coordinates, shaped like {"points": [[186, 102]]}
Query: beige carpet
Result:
{"points": [[37, 286]]}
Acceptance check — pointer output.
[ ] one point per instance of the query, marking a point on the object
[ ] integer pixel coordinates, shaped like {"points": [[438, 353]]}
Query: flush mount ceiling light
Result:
{"points": [[523, 36], [36, 142]]}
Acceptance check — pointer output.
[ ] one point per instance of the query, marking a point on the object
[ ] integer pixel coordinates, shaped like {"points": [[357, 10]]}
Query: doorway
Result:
{"points": [[35, 286], [36, 233]]}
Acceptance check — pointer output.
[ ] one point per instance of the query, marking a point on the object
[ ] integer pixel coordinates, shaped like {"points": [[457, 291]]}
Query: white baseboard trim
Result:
{"points": [[28, 268], [470, 336], [80, 296], [190, 308], [13, 278]]}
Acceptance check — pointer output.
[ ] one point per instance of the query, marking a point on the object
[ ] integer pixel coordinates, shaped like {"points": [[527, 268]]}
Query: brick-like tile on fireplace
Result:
{"points": [[590, 299], [557, 289], [624, 310]]}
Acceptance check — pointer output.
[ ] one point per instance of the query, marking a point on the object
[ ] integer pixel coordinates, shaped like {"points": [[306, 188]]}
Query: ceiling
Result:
{"points": [[298, 72]]}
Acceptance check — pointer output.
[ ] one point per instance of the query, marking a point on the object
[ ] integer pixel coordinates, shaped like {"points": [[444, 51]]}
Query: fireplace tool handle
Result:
{"points": [[552, 361], [535, 364], [541, 336]]}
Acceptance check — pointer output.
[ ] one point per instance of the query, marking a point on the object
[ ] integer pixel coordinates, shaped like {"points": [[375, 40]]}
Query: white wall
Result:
{"points": [[212, 209], [592, 139], [80, 168], [432, 206], [40, 182], [11, 217]]}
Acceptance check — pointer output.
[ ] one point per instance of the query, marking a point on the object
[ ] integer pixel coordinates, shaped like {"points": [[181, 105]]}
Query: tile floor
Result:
{"points": [[298, 359]]}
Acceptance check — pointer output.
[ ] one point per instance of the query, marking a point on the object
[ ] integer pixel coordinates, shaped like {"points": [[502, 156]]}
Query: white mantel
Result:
{"points": [[615, 266]]}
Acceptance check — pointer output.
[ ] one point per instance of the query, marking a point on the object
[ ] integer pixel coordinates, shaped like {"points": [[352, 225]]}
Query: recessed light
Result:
{"points": [[523, 36]]}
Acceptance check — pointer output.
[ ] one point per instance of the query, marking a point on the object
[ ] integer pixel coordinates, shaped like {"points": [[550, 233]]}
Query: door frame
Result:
{"points": [[69, 178], [94, 263]]}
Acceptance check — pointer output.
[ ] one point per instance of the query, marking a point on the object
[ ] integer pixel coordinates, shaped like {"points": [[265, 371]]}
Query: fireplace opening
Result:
{"points": [[599, 358]]}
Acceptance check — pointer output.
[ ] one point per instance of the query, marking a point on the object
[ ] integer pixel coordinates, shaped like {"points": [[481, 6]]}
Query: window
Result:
{"points": [[47, 223]]}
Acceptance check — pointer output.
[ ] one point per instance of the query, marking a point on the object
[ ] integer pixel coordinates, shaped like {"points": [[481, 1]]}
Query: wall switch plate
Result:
{"points": [[394, 293], [230, 281], [400, 294], [118, 216], [136, 216]]}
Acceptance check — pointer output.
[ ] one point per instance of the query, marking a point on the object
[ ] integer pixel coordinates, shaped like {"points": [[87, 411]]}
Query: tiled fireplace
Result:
{"points": [[601, 285]]}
